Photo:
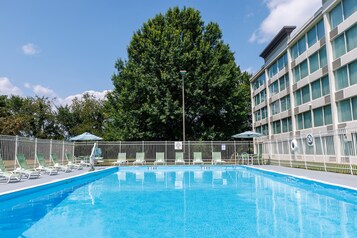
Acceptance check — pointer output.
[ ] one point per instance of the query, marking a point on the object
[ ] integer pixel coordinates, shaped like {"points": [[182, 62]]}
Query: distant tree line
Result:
{"points": [[146, 102], [39, 117]]}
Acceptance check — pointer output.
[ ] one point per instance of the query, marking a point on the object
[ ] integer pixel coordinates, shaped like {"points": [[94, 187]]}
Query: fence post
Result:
{"points": [[322, 150], [16, 144], [235, 152], [303, 150], [50, 147], [34, 159], [62, 151], [142, 146], [73, 148], [189, 153], [166, 152]]}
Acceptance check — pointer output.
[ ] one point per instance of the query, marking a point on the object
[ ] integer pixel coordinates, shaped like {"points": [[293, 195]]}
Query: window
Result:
{"points": [[304, 120], [323, 57], [260, 81], [320, 88], [264, 112], [349, 7], [320, 29], [274, 88], [351, 38], [300, 71], [344, 110], [257, 115], [294, 51], [278, 65], [342, 11], [314, 62], [275, 107], [325, 85], [347, 109], [316, 89], [305, 94], [286, 125], [339, 47], [316, 33], [285, 103], [311, 37], [336, 16], [318, 117], [341, 77], [302, 45], [346, 76], [352, 68], [322, 116]]}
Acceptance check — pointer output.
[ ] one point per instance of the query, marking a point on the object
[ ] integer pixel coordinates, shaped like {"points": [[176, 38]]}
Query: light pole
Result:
{"points": [[183, 73]]}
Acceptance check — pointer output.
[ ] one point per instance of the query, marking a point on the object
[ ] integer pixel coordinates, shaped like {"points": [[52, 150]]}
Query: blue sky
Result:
{"points": [[63, 48]]}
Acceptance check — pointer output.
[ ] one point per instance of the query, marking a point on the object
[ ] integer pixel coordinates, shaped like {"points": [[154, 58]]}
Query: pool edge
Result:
{"points": [[35, 188], [306, 179]]}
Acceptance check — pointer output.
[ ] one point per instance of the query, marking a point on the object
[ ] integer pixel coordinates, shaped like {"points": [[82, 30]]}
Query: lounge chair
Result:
{"points": [[6, 175], [179, 158], [56, 164], [71, 162], [197, 158], [24, 168], [121, 159], [160, 158], [217, 158], [43, 167], [140, 158]]}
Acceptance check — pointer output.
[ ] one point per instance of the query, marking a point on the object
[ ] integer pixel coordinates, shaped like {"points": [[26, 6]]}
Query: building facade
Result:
{"points": [[304, 98]]}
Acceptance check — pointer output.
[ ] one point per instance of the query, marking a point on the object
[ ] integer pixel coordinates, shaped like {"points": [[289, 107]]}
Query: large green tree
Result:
{"points": [[85, 114], [30, 116], [146, 103]]}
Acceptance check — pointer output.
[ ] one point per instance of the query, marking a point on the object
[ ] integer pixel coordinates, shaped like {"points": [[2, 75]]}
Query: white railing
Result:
{"points": [[328, 151]]}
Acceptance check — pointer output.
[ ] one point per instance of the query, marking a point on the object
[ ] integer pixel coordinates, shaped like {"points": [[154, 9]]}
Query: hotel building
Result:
{"points": [[304, 98]]}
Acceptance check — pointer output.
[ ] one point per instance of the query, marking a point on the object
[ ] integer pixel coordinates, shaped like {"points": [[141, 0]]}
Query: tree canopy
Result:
{"points": [[146, 103]]}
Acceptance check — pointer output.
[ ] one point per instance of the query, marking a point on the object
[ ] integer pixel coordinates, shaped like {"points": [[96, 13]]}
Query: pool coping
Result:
{"points": [[305, 179], [54, 183]]}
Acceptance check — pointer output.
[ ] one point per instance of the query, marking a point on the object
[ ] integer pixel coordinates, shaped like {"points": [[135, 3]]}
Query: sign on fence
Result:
{"points": [[310, 140], [178, 145]]}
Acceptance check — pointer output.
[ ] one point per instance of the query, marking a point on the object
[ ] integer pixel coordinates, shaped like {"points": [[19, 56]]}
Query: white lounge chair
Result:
{"points": [[6, 175], [197, 158], [56, 164], [121, 159], [72, 163], [179, 158], [42, 166], [140, 158], [217, 158], [24, 168], [160, 158]]}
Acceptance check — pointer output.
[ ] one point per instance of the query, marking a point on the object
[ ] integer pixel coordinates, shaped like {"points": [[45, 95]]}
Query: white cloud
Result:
{"points": [[249, 70], [284, 13], [7, 88], [40, 90], [68, 100], [30, 49]]}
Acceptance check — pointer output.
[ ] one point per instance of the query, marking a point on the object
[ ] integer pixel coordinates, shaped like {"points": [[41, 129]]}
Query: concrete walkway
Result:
{"points": [[343, 180], [44, 178]]}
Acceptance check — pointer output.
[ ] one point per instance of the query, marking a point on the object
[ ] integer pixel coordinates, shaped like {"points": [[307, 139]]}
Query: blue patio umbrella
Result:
{"points": [[86, 136]]}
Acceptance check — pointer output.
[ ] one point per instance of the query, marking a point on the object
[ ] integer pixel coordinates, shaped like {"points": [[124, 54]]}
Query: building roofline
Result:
{"points": [[284, 32]]}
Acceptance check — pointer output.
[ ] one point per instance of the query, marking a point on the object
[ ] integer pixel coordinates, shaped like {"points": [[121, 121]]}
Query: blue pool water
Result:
{"points": [[184, 202]]}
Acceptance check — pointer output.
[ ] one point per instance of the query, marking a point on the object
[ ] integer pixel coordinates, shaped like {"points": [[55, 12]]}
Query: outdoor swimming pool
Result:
{"points": [[185, 202]]}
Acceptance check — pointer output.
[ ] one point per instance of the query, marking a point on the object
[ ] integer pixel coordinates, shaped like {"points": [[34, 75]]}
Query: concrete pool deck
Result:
{"points": [[43, 179], [343, 180]]}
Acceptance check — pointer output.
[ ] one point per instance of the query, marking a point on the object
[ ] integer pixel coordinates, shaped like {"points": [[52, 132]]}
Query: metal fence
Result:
{"points": [[10, 146], [110, 150], [334, 151]]}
